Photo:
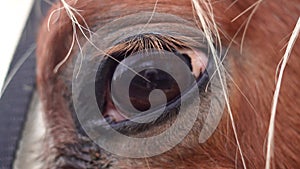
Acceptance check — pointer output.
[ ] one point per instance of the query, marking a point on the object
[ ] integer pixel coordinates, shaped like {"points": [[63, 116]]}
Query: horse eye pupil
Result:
{"points": [[140, 89]]}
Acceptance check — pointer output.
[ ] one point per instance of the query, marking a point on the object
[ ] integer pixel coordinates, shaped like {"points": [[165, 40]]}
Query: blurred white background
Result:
{"points": [[13, 16]]}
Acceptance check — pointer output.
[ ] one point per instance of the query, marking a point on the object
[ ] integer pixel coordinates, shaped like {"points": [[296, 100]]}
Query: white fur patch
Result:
{"points": [[30, 147]]}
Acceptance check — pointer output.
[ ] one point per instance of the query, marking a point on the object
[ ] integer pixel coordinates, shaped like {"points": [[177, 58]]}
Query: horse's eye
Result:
{"points": [[142, 77], [140, 88], [151, 87], [146, 82]]}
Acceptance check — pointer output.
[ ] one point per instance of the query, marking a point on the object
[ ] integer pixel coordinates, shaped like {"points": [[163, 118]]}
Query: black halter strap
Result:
{"points": [[16, 99]]}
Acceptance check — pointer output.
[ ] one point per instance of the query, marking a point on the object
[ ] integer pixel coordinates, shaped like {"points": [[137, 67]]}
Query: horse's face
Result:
{"points": [[249, 38]]}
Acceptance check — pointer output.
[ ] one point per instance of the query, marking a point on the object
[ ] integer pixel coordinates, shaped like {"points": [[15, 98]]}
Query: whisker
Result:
{"points": [[270, 144], [81, 55], [151, 17], [69, 11], [147, 163], [231, 5], [277, 70], [285, 38], [51, 15], [243, 94], [149, 20], [248, 22], [245, 11], [208, 34], [67, 56], [236, 158]]}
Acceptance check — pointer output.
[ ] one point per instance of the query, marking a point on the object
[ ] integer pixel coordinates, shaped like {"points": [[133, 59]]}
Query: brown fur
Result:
{"points": [[252, 70]]}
